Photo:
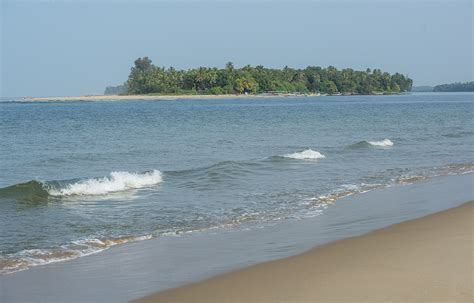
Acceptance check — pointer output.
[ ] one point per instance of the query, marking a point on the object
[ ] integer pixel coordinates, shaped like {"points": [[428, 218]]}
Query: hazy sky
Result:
{"points": [[79, 47]]}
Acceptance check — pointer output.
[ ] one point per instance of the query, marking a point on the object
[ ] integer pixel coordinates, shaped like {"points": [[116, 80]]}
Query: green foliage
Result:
{"points": [[455, 87], [146, 78], [216, 90]]}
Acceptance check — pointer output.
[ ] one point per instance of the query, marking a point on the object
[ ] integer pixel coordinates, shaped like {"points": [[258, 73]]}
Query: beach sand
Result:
{"points": [[424, 260], [141, 97]]}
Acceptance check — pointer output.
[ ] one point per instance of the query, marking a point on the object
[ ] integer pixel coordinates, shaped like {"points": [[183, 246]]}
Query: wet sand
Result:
{"points": [[423, 260]]}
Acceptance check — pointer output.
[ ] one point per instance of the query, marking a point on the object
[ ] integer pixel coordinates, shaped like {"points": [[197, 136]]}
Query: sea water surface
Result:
{"points": [[79, 177]]}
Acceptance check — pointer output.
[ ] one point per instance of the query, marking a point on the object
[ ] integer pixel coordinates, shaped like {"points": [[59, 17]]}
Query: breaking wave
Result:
{"points": [[307, 154], [366, 144], [383, 143], [117, 181], [36, 191]]}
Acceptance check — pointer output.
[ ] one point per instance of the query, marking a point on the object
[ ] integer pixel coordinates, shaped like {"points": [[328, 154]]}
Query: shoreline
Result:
{"points": [[424, 259], [137, 269], [196, 97], [190, 97]]}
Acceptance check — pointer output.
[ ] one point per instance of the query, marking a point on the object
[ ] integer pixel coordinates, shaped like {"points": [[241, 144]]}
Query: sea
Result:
{"points": [[78, 177]]}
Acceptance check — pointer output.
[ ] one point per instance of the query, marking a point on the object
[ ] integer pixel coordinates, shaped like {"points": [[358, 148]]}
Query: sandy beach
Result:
{"points": [[142, 97], [423, 260]]}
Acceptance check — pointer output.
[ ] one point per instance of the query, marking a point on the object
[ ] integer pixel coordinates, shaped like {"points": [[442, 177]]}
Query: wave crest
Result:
{"points": [[117, 181], [368, 144], [383, 143], [307, 154]]}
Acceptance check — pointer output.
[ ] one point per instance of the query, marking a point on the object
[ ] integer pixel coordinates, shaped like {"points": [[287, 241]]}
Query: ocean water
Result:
{"points": [[79, 177]]}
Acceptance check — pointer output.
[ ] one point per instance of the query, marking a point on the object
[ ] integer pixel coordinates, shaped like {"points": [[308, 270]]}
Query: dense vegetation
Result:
{"points": [[146, 78], [455, 87]]}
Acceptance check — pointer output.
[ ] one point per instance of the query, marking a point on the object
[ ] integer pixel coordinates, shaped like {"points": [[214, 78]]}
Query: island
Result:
{"points": [[148, 79]]}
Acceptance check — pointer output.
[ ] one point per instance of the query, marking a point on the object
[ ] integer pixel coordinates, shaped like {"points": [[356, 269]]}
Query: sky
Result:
{"points": [[78, 47]]}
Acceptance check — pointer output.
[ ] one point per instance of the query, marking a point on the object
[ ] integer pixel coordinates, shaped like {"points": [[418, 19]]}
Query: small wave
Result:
{"points": [[36, 191], [32, 257], [346, 190], [213, 176], [402, 177], [224, 167], [459, 134], [307, 154], [383, 143], [367, 144], [408, 179]]}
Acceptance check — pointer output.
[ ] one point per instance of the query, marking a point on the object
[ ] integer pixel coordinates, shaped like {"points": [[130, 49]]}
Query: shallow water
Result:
{"points": [[79, 177]]}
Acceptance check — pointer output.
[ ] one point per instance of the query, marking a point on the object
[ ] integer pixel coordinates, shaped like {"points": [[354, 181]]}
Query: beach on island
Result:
{"points": [[155, 97], [129, 97], [424, 260]]}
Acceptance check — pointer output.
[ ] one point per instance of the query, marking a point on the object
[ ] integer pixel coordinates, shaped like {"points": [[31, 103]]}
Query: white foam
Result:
{"points": [[383, 143], [117, 181], [307, 154]]}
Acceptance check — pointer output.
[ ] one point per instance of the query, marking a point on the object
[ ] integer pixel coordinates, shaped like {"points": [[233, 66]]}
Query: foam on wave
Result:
{"points": [[307, 154], [117, 181], [383, 143], [37, 191]]}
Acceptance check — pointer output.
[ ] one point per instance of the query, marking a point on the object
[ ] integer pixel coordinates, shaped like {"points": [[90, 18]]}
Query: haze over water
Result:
{"points": [[79, 177]]}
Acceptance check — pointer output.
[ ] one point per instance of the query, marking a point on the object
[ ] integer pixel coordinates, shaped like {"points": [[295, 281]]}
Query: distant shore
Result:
{"points": [[427, 259]]}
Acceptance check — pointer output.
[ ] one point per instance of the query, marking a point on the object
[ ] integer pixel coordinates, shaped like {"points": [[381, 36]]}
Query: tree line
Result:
{"points": [[455, 87], [147, 78]]}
